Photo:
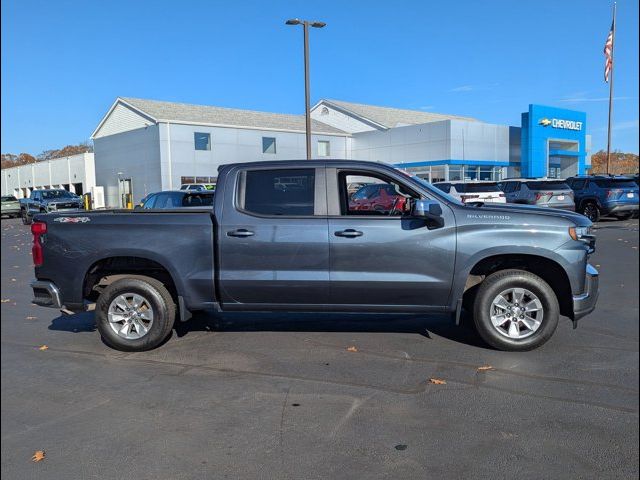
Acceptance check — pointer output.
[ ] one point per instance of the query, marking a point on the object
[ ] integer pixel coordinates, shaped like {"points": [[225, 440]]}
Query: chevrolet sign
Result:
{"points": [[563, 124]]}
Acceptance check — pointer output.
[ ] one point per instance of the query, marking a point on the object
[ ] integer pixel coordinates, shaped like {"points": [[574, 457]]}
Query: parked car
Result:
{"points": [[353, 187], [10, 206], [49, 200], [177, 199], [539, 192], [377, 198], [479, 191], [605, 195], [198, 186], [516, 268]]}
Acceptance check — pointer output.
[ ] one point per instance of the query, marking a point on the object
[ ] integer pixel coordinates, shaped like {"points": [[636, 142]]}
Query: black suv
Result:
{"points": [[598, 195]]}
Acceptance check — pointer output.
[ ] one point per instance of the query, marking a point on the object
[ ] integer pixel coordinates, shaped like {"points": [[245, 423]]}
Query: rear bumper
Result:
{"points": [[46, 294], [621, 208], [585, 303]]}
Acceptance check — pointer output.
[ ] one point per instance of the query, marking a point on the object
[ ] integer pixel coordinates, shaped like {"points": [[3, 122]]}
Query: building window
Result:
{"points": [[455, 173], [268, 145], [324, 148], [202, 141]]}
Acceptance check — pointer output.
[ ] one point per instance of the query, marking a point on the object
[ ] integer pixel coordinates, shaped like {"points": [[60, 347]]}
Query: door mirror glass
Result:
{"points": [[430, 210]]}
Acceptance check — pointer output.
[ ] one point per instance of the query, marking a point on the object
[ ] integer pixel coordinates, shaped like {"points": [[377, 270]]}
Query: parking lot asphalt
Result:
{"points": [[280, 396]]}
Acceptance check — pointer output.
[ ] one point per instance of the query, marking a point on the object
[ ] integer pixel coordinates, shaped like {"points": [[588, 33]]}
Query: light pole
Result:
{"points": [[307, 109]]}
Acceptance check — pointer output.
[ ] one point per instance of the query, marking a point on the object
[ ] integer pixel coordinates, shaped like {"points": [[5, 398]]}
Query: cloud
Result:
{"points": [[463, 88], [581, 99], [626, 125]]}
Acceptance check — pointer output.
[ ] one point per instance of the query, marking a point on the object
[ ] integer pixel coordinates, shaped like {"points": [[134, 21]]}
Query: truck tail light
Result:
{"points": [[501, 195], [466, 198], [37, 229]]}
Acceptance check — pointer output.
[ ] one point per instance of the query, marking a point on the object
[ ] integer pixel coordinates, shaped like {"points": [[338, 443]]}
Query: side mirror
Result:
{"points": [[429, 210]]}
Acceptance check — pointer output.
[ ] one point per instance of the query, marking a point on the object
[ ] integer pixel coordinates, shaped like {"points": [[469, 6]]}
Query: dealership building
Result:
{"points": [[74, 173], [144, 146]]}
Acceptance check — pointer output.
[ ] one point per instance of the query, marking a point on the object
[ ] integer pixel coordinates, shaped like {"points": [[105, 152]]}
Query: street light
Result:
{"points": [[307, 109]]}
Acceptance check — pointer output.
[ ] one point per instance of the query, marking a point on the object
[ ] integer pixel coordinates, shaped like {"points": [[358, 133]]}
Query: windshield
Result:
{"points": [[51, 194], [615, 183], [437, 191], [558, 185], [477, 187], [9, 199]]}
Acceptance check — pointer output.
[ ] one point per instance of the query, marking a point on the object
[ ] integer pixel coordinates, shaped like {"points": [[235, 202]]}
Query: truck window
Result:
{"points": [[381, 197], [288, 192]]}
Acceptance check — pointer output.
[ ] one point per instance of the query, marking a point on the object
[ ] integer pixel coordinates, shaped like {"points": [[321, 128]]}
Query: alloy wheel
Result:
{"points": [[516, 313], [130, 316]]}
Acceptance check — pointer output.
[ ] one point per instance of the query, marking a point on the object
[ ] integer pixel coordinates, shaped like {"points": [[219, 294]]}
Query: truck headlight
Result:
{"points": [[581, 233]]}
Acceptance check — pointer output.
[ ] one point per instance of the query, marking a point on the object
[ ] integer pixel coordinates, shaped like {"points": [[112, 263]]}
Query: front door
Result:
{"points": [[380, 258], [273, 239]]}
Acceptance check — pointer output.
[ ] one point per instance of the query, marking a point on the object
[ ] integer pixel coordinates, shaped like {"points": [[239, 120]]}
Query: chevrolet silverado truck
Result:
{"points": [[49, 200], [284, 236]]}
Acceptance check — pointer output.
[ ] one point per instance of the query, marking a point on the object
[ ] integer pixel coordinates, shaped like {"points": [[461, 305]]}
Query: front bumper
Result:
{"points": [[585, 303], [46, 294]]}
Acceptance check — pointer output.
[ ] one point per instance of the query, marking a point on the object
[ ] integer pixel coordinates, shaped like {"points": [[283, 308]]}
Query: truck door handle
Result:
{"points": [[242, 232], [349, 232]]}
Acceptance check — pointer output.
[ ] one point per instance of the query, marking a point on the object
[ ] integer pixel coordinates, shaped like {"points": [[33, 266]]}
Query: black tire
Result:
{"points": [[591, 211], [26, 218], [500, 281], [624, 216], [158, 297]]}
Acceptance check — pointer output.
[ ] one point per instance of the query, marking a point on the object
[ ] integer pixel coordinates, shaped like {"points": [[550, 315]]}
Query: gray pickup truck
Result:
{"points": [[48, 200], [289, 236]]}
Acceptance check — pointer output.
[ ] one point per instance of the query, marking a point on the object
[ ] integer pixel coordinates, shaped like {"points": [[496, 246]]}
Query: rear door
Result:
{"points": [[380, 259], [273, 238]]}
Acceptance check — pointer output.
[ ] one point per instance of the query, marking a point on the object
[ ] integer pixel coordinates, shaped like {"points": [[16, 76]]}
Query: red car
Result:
{"points": [[379, 197]]}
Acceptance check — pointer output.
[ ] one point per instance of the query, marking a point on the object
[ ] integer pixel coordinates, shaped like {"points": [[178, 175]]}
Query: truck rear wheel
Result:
{"points": [[135, 314], [515, 310]]}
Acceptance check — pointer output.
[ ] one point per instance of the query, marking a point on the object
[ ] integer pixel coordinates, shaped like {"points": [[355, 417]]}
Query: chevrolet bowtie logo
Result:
{"points": [[544, 122]]}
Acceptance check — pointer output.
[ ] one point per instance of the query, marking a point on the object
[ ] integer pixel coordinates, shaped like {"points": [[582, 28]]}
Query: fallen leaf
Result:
{"points": [[437, 381], [13, 279], [485, 367], [43, 348], [30, 318], [5, 300], [352, 349], [38, 456]]}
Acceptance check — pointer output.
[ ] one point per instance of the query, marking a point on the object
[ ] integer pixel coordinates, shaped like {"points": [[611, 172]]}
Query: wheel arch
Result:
{"points": [[550, 270], [113, 267]]}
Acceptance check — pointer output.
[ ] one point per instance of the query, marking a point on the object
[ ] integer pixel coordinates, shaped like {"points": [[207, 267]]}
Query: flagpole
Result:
{"points": [[613, 44]]}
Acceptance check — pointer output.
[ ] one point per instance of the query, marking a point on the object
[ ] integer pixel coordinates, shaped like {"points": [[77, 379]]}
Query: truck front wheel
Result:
{"points": [[515, 310], [135, 314]]}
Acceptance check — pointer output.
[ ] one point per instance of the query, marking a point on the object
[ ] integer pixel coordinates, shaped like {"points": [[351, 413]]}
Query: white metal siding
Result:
{"points": [[414, 143], [339, 120], [52, 173], [122, 119], [136, 155]]}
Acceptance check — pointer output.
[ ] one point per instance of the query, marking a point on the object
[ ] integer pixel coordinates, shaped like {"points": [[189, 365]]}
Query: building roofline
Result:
{"points": [[346, 111], [113, 106]]}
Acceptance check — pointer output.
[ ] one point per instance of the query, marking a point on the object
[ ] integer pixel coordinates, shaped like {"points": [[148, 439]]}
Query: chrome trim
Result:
{"points": [[54, 301]]}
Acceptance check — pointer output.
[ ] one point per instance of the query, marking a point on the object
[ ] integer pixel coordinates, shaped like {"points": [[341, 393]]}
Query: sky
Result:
{"points": [[64, 62]]}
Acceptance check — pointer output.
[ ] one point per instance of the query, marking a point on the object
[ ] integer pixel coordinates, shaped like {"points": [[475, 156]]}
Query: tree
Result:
{"points": [[620, 163]]}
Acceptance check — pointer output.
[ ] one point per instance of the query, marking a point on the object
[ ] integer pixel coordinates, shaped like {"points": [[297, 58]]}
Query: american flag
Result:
{"points": [[608, 57]]}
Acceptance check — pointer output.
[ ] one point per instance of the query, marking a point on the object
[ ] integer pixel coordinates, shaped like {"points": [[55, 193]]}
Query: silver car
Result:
{"points": [[551, 193]]}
